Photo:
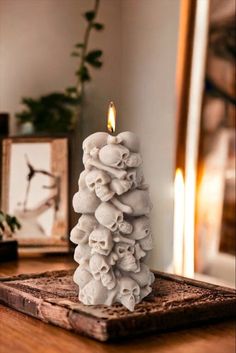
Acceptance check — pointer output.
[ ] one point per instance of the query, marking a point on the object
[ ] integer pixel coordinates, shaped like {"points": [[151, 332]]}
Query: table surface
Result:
{"points": [[23, 334]]}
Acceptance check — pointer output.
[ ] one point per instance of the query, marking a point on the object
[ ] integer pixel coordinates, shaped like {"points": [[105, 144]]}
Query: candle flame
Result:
{"points": [[111, 120], [189, 220], [179, 209]]}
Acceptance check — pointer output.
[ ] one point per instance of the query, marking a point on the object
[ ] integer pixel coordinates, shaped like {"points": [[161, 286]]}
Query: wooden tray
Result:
{"points": [[174, 302]]}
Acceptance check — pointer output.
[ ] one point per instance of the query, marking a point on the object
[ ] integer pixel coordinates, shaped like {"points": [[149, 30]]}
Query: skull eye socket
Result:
{"points": [[113, 227], [124, 155], [131, 176], [93, 241], [103, 269], [99, 181], [129, 249], [102, 243], [125, 291], [136, 291], [121, 250], [147, 231], [92, 185]]}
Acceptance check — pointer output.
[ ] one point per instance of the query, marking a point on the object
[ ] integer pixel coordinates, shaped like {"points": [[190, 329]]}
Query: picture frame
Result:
{"points": [[205, 152], [216, 182], [35, 188]]}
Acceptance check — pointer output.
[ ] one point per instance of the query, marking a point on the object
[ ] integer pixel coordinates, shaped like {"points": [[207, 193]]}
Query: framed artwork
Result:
{"points": [[205, 152], [35, 190], [216, 189]]}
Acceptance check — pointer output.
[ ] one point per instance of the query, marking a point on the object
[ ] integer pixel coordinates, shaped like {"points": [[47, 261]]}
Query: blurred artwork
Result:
{"points": [[216, 198], [35, 189]]}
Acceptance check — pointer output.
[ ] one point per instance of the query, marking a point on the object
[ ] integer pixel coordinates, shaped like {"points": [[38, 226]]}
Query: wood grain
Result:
{"points": [[23, 334], [174, 302]]}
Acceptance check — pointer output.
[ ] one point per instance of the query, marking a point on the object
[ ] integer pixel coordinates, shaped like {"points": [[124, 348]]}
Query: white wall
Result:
{"points": [[149, 48], [139, 43], [36, 39]]}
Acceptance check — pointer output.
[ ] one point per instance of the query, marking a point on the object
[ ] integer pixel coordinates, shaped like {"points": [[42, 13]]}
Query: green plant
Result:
{"points": [[58, 111], [49, 113], [8, 224], [87, 58]]}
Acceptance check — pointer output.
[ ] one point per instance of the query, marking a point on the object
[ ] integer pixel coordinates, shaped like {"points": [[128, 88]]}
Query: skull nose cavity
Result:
{"points": [[119, 219], [120, 164]]}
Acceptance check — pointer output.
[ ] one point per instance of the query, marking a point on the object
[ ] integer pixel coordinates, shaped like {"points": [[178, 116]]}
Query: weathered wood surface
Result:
{"points": [[174, 302]]}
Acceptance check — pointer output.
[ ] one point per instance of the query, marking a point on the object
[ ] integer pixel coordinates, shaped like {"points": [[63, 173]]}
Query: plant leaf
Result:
{"points": [[96, 63], [93, 55], [83, 73], [98, 26], [89, 15]]}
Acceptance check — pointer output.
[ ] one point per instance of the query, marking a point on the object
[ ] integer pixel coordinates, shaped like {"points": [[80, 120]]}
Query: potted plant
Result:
{"points": [[8, 246], [57, 112]]}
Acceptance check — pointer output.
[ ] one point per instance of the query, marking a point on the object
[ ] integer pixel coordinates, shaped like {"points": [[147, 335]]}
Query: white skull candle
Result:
{"points": [[113, 234]]}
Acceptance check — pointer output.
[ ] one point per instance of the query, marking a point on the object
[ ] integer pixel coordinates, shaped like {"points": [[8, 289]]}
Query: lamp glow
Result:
{"points": [[178, 222]]}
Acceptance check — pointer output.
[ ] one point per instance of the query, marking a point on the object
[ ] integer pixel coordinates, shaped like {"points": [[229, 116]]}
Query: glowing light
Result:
{"points": [[194, 115], [111, 120], [178, 222]]}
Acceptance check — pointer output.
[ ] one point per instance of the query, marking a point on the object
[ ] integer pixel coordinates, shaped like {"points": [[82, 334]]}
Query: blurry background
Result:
{"points": [[142, 73]]}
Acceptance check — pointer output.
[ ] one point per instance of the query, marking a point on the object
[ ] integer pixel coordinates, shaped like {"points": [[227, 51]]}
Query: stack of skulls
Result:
{"points": [[113, 233]]}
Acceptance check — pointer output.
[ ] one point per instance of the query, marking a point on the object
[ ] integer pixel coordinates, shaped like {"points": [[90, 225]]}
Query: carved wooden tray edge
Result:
{"points": [[104, 329]]}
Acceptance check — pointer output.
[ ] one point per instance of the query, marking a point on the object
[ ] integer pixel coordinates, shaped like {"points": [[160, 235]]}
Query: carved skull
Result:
{"points": [[144, 276], [93, 142], [109, 216], [135, 177], [100, 240], [93, 293], [81, 277], [126, 260], [139, 253], [97, 180], [129, 140], [96, 177], [138, 201], [82, 253], [80, 233], [85, 201], [125, 227], [114, 155], [96, 140], [101, 270], [134, 160], [81, 182], [141, 228], [129, 292], [146, 243], [144, 291], [98, 266], [120, 186]]}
